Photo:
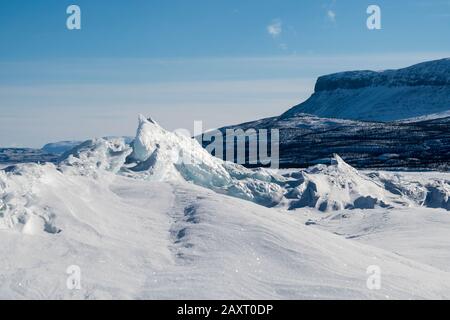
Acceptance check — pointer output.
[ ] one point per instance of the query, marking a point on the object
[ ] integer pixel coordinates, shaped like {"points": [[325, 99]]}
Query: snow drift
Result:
{"points": [[21, 207], [141, 223], [158, 155], [338, 187], [166, 156], [140, 239]]}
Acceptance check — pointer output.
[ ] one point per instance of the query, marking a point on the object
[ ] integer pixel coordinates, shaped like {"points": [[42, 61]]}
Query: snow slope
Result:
{"points": [[307, 140], [381, 96], [140, 223], [143, 239], [420, 233]]}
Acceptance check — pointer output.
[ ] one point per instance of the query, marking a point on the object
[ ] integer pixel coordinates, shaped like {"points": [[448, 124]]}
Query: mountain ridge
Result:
{"points": [[394, 119], [385, 96]]}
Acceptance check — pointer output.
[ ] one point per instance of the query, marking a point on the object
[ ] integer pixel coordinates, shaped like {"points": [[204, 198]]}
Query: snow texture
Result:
{"points": [[155, 219]]}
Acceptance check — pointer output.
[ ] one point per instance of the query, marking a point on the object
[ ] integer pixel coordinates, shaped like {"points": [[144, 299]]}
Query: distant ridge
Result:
{"points": [[389, 95]]}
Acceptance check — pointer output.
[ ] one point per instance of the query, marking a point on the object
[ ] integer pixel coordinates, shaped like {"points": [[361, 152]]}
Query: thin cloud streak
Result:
{"points": [[275, 28]]}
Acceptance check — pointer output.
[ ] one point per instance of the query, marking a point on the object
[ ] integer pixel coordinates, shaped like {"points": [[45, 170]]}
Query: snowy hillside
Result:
{"points": [[305, 140], [161, 218], [394, 119], [381, 96]]}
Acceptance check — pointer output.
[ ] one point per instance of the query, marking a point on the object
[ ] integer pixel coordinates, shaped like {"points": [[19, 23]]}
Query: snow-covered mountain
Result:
{"points": [[394, 119], [157, 216], [161, 218], [381, 96]]}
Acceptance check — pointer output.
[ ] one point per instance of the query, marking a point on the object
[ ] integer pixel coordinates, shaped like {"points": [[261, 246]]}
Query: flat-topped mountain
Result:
{"points": [[361, 115], [381, 96]]}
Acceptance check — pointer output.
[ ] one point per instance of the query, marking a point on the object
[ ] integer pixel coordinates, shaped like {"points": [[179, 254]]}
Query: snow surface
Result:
{"points": [[420, 234], [161, 218]]}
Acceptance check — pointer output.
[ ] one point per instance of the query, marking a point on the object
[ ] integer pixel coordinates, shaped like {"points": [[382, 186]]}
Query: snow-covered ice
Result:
{"points": [[161, 218]]}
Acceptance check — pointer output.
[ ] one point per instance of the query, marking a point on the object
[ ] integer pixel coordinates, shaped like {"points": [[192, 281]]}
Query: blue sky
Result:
{"points": [[220, 61]]}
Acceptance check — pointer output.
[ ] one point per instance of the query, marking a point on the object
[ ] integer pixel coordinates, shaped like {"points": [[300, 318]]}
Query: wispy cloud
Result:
{"points": [[275, 28], [283, 46], [331, 15], [330, 11]]}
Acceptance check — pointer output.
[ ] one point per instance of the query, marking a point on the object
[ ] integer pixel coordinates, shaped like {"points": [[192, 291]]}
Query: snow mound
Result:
{"points": [[171, 155], [166, 156], [425, 190], [338, 187], [159, 155], [21, 208], [97, 155], [438, 196]]}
